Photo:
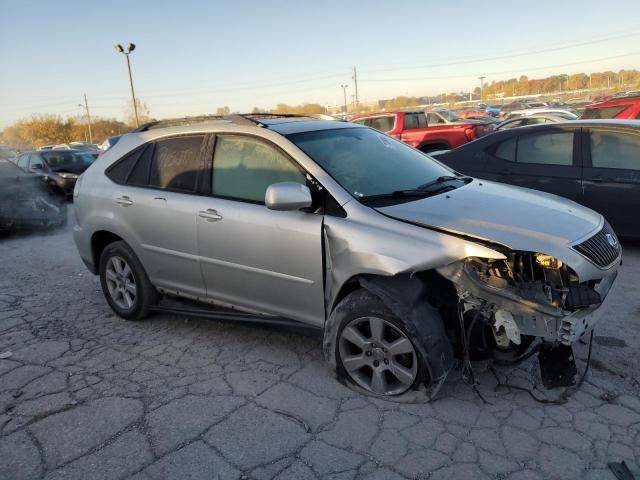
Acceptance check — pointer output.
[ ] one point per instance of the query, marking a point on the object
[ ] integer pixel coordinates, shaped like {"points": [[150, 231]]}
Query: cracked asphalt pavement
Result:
{"points": [[84, 394]]}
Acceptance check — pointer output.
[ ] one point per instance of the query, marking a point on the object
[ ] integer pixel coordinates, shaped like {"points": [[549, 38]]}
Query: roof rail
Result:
{"points": [[252, 119]]}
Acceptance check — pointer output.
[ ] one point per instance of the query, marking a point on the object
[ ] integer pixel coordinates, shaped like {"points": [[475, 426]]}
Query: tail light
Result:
{"points": [[470, 133]]}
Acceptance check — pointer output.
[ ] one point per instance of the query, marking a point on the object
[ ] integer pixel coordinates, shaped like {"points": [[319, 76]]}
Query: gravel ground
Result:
{"points": [[86, 395]]}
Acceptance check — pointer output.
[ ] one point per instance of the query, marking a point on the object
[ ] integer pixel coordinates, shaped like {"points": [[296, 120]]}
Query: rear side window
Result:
{"points": [[244, 167], [605, 112], [415, 120], [546, 148], [611, 149], [175, 163], [382, 124]]}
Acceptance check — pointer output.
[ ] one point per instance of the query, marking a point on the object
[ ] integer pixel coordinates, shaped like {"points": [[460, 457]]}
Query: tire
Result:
{"points": [[120, 270], [433, 148], [368, 361]]}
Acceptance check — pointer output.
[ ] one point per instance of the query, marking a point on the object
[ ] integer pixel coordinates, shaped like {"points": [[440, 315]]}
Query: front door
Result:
{"points": [[611, 177], [253, 257]]}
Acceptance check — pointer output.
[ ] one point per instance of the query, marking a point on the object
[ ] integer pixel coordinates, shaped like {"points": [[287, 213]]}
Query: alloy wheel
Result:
{"points": [[121, 282], [378, 356]]}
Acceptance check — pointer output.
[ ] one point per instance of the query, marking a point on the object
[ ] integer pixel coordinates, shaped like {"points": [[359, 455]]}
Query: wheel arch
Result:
{"points": [[99, 241]]}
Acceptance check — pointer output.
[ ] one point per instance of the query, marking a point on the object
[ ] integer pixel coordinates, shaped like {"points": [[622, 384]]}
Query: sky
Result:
{"points": [[193, 56]]}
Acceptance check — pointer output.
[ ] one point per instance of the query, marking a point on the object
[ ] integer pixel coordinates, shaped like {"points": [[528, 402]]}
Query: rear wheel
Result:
{"points": [[125, 283]]}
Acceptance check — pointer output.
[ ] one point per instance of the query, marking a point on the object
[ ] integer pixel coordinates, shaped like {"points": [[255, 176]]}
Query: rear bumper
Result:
{"points": [[83, 243]]}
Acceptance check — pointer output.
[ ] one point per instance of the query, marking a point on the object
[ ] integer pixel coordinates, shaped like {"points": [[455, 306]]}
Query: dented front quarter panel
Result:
{"points": [[367, 243]]}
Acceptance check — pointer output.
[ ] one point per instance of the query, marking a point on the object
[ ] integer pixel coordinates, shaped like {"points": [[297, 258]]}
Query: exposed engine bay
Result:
{"points": [[527, 294]]}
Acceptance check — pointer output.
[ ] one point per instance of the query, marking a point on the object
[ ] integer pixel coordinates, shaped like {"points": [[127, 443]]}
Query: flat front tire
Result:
{"points": [[374, 349], [125, 283]]}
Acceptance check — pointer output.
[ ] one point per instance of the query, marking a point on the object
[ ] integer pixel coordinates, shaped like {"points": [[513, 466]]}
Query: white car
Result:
{"points": [[562, 112]]}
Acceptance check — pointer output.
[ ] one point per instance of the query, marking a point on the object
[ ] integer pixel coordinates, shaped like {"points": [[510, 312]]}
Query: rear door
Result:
{"points": [[156, 201], [611, 177], [548, 160], [251, 256]]}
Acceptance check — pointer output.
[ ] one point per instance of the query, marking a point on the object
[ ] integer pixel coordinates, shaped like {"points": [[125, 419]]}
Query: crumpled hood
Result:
{"points": [[519, 218]]}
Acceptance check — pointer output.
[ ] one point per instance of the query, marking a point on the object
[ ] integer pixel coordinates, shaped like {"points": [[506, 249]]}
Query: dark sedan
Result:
{"points": [[594, 162], [59, 168]]}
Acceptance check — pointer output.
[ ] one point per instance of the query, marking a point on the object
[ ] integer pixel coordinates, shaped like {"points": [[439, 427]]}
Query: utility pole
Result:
{"points": [[355, 85], [344, 91], [86, 107], [481, 86]]}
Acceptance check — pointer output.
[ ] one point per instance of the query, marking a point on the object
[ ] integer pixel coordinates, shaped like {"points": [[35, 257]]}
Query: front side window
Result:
{"points": [[35, 161], [434, 119], [244, 167], [365, 162], [610, 149], [546, 148], [175, 163]]}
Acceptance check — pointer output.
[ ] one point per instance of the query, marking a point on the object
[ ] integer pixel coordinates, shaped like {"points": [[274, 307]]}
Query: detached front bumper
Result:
{"points": [[532, 318]]}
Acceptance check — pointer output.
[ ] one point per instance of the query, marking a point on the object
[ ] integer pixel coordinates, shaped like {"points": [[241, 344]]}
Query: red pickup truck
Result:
{"points": [[417, 129]]}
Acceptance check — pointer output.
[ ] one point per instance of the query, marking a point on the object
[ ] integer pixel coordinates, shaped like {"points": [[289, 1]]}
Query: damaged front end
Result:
{"points": [[528, 294]]}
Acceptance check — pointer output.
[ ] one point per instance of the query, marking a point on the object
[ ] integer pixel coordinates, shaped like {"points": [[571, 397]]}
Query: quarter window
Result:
{"points": [[175, 163], [507, 150], [244, 167], [615, 150]]}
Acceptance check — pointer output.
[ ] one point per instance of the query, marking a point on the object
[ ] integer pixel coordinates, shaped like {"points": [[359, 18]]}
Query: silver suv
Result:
{"points": [[401, 261]]}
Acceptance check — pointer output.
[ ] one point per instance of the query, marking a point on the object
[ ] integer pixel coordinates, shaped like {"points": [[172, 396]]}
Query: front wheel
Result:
{"points": [[374, 349], [125, 283]]}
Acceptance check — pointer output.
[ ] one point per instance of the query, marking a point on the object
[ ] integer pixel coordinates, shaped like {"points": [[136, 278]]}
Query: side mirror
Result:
{"points": [[287, 196]]}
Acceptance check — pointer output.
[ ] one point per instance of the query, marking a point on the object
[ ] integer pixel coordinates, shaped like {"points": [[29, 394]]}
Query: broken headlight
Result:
{"points": [[547, 261]]}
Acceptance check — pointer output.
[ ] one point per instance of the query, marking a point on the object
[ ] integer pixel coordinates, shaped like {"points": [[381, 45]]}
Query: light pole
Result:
{"points": [[130, 48], [344, 91], [481, 86], [86, 107]]}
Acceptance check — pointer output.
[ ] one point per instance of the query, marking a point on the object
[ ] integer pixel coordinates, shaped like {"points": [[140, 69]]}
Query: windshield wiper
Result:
{"points": [[443, 179], [425, 190]]}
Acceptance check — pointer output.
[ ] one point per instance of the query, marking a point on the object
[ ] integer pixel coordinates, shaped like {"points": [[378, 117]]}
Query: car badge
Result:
{"points": [[612, 240]]}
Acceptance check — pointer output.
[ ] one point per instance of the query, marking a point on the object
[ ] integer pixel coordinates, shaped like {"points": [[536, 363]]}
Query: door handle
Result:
{"points": [[124, 201], [210, 215]]}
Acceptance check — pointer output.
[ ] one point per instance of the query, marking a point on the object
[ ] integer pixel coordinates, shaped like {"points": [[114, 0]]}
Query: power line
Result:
{"points": [[503, 72], [513, 54]]}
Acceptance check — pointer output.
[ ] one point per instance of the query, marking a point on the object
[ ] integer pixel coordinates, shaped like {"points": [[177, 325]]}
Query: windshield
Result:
{"points": [[449, 115], [59, 158], [366, 162]]}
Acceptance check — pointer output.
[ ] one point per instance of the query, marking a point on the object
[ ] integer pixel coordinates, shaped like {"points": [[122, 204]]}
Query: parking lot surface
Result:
{"points": [[84, 394]]}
